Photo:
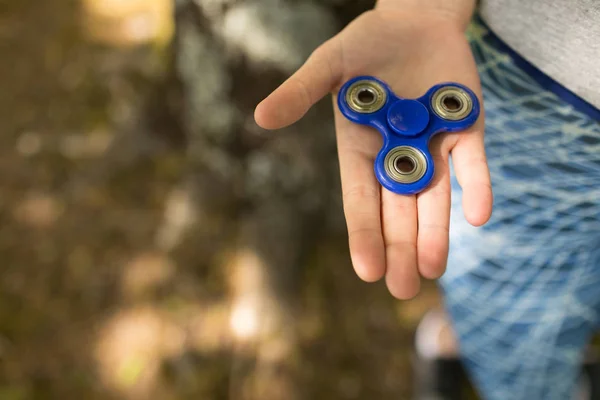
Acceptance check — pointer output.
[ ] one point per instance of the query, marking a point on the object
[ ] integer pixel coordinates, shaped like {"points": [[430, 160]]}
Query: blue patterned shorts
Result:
{"points": [[523, 291]]}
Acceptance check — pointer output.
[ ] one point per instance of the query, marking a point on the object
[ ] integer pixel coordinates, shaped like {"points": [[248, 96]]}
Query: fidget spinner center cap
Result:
{"points": [[408, 117]]}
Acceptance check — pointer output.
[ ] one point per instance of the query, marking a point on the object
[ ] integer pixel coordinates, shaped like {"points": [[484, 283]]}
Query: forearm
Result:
{"points": [[458, 11]]}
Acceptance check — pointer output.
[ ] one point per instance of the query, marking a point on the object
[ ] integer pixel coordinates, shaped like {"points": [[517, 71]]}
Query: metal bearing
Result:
{"points": [[405, 164], [451, 103], [366, 96]]}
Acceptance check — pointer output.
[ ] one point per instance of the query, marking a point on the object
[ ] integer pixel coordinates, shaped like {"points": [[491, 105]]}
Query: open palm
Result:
{"points": [[400, 237]]}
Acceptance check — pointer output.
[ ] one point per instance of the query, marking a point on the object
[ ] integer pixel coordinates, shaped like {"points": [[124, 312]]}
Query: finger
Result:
{"points": [[473, 175], [399, 219], [316, 78], [357, 146], [433, 208]]}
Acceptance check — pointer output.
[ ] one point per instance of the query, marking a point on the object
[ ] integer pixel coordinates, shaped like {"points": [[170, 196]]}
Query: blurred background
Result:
{"points": [[154, 242]]}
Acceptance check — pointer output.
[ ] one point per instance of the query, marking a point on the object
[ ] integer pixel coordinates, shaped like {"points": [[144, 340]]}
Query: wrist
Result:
{"points": [[457, 12]]}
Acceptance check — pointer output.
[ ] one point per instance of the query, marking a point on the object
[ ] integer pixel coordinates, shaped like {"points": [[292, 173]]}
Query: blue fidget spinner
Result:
{"points": [[404, 164]]}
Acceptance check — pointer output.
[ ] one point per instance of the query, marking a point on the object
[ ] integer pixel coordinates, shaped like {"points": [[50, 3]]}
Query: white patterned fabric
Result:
{"points": [[523, 291]]}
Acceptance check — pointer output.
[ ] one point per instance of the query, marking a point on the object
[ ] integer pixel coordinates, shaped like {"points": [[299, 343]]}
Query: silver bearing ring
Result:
{"points": [[366, 96], [405, 164], [451, 103]]}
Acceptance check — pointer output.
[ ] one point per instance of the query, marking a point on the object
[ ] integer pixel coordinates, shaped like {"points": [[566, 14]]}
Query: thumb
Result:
{"points": [[315, 79]]}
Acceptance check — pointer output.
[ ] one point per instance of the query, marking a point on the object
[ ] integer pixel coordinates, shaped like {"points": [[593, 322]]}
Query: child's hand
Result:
{"points": [[400, 237]]}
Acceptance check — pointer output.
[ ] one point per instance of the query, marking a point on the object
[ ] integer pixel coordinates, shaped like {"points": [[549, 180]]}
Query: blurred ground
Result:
{"points": [[132, 267]]}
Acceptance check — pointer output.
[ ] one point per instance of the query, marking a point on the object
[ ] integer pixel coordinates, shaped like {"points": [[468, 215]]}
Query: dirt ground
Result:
{"points": [[100, 297]]}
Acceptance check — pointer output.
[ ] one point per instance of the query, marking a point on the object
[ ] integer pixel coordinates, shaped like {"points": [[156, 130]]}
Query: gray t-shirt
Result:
{"points": [[560, 37]]}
